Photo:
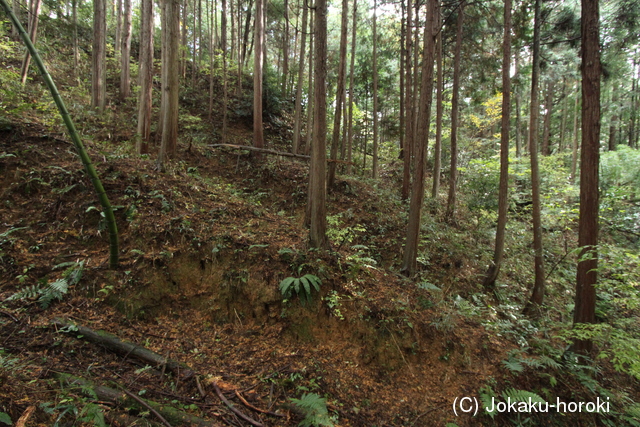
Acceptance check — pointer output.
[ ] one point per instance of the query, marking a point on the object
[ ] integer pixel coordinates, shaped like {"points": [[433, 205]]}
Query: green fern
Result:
{"points": [[301, 286], [55, 290], [516, 395], [315, 409]]}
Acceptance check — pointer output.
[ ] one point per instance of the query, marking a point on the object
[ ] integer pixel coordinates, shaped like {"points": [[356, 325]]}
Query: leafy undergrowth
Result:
{"points": [[204, 249]]}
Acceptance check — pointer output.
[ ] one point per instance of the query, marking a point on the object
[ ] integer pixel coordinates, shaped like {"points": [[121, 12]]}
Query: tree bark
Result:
{"points": [[145, 73], [613, 125], [587, 276], [374, 167], [407, 150], [310, 91], [118, 33], [225, 100], [171, 81], [517, 95], [98, 56], [125, 86], [297, 122], [576, 130], [546, 136], [317, 173], [34, 13], [503, 202], [17, 10], [453, 171], [285, 51], [354, 28], [340, 94], [437, 150], [76, 51], [417, 195], [258, 130], [537, 296]]}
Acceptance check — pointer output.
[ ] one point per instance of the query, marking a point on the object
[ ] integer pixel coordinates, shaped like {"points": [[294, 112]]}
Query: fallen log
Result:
{"points": [[261, 150], [112, 343], [168, 415], [273, 152]]}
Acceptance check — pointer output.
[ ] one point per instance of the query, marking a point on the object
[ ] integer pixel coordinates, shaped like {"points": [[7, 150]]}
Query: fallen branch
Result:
{"points": [[9, 315], [146, 405], [124, 398], [274, 152], [233, 408], [25, 416], [112, 343], [261, 150], [250, 406]]}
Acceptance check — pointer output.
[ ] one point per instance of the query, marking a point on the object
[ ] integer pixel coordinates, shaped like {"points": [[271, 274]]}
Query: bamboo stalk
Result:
{"points": [[73, 133]]}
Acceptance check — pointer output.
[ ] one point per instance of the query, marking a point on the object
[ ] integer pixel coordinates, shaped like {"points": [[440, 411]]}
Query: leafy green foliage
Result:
{"points": [[315, 409], [300, 286], [5, 419], [55, 290]]}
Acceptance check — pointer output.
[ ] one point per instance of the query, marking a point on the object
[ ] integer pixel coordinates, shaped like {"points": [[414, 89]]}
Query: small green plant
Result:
{"points": [[315, 409], [301, 286], [334, 304], [5, 419], [55, 290]]}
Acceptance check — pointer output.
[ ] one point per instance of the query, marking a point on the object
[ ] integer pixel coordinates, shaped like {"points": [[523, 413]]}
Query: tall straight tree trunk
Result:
{"points": [[310, 91], [503, 202], [613, 125], [171, 80], [185, 41], [34, 13], [537, 295], [587, 276], [576, 131], [125, 75], [632, 112], [118, 33], [145, 73], [407, 151], [317, 172], [76, 51], [354, 28], [546, 135], [285, 51], [297, 122], [258, 131], [563, 120], [437, 151], [212, 56], [225, 77], [517, 94], [453, 172], [422, 139], [98, 56], [340, 95], [17, 10], [374, 168], [403, 32]]}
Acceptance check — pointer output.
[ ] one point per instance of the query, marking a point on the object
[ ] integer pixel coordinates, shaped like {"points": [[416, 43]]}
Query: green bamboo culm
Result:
{"points": [[86, 161]]}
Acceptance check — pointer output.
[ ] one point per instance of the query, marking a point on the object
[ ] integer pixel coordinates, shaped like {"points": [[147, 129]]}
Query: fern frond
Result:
{"points": [[30, 292], [315, 410], [522, 396]]}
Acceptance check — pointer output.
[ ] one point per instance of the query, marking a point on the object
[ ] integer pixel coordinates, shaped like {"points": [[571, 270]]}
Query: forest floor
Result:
{"points": [[204, 249]]}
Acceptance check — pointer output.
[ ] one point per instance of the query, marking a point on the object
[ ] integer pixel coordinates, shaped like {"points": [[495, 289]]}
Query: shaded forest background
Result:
{"points": [[309, 212]]}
